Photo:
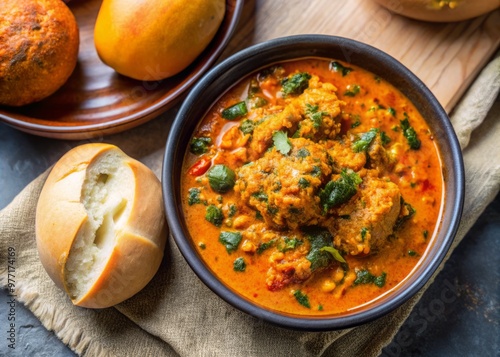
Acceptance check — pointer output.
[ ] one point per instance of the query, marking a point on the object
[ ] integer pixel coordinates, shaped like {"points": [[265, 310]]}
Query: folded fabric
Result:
{"points": [[177, 315]]}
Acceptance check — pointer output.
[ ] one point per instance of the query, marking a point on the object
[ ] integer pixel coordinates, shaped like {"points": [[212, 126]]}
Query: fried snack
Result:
{"points": [[38, 49]]}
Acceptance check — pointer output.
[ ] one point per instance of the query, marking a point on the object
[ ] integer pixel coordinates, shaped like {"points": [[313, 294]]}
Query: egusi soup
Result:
{"points": [[312, 187]]}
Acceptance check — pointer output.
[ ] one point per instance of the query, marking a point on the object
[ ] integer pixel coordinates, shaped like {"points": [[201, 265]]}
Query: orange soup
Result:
{"points": [[312, 187]]}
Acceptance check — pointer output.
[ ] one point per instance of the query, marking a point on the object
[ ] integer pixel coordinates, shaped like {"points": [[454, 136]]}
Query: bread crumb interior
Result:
{"points": [[106, 192]]}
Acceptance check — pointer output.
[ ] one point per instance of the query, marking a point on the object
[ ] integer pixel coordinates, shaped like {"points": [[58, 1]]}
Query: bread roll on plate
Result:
{"points": [[39, 43], [100, 225]]}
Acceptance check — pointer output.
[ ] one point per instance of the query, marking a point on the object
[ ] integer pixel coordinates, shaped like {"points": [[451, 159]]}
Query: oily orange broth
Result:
{"points": [[420, 181]]}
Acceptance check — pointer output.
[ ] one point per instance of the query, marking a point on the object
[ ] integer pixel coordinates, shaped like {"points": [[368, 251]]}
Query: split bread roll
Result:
{"points": [[100, 225]]}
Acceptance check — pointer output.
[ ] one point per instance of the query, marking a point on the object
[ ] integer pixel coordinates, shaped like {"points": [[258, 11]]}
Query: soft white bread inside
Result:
{"points": [[105, 194], [100, 225]]}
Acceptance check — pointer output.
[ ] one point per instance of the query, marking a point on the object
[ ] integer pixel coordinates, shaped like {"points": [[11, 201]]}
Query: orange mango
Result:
{"points": [[155, 39]]}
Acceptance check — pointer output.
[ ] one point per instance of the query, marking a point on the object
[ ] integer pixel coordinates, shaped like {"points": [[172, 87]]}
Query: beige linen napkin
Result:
{"points": [[177, 315]]}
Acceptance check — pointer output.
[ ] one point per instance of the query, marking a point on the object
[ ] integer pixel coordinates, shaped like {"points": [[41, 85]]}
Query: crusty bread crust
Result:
{"points": [[39, 43], [63, 220]]}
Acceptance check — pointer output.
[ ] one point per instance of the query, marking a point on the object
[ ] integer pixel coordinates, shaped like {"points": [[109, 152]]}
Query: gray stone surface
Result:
{"points": [[457, 316]]}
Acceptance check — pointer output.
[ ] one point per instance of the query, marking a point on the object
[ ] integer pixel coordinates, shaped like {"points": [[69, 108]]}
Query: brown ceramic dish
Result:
{"points": [[97, 101]]}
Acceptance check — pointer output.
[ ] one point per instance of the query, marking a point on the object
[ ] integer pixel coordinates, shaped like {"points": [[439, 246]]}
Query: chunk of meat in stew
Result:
{"points": [[367, 220]]}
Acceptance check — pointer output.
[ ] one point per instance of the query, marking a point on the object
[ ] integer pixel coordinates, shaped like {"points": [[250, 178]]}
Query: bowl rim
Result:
{"points": [[173, 205]]}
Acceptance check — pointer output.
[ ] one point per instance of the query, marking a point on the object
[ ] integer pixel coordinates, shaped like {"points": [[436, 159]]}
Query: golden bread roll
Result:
{"points": [[100, 225], [38, 49]]}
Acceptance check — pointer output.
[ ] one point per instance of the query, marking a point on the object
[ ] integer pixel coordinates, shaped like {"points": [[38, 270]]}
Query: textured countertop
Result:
{"points": [[457, 316]]}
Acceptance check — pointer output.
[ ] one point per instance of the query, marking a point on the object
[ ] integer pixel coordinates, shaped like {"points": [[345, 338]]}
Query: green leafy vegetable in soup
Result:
{"points": [[239, 264], [295, 84], [315, 115], [230, 240], [265, 245], [214, 215], [364, 140], [200, 145], [365, 277], [247, 126], [235, 111], [302, 299], [410, 134], [338, 67], [335, 253], [194, 196], [319, 239], [221, 178], [385, 138], [339, 191], [281, 142], [352, 90], [289, 244]]}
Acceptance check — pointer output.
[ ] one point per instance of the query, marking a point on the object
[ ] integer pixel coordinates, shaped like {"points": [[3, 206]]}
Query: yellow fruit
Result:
{"points": [[155, 39], [39, 42]]}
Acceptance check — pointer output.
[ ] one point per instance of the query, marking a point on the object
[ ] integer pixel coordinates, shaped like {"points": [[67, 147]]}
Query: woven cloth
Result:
{"points": [[177, 315]]}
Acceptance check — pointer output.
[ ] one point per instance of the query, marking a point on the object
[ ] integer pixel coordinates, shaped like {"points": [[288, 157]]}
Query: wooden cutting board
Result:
{"points": [[446, 57]]}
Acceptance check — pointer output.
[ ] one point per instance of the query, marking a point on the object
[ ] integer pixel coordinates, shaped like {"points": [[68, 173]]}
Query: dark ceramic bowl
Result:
{"points": [[222, 77]]}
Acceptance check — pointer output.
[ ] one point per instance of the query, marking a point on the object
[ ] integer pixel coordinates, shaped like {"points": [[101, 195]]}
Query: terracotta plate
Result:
{"points": [[96, 101]]}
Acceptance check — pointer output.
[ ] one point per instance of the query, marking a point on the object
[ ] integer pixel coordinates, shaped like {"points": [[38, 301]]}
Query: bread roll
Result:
{"points": [[100, 225], [38, 49]]}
